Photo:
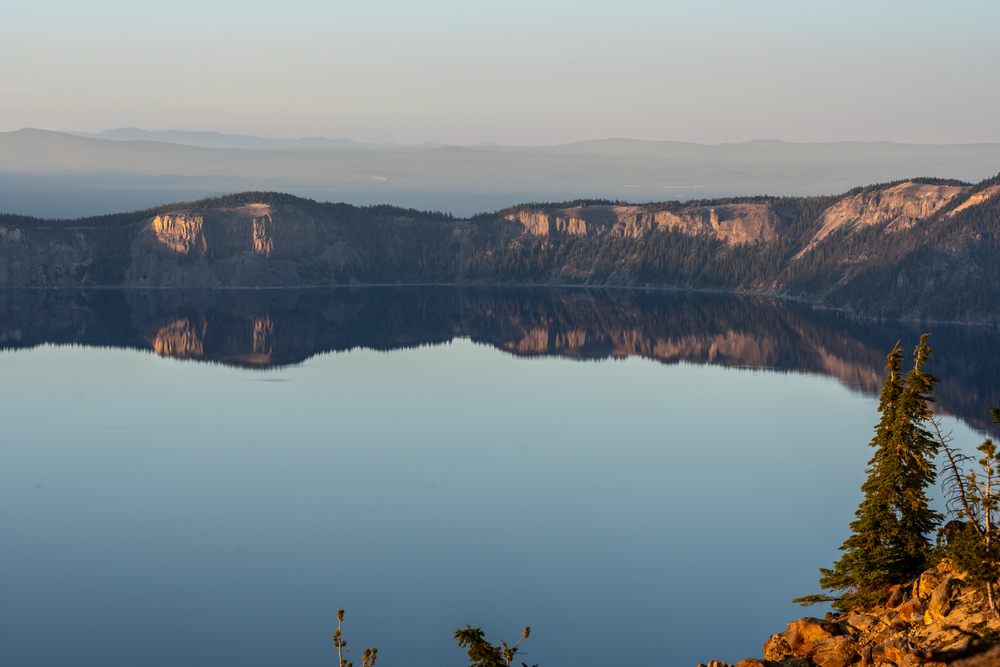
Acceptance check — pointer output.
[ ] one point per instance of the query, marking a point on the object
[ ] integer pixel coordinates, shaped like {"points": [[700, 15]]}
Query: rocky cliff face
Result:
{"points": [[901, 206], [732, 223], [256, 228], [247, 245]]}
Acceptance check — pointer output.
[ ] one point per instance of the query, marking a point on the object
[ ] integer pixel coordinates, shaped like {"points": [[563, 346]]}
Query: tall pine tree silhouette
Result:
{"points": [[888, 539]]}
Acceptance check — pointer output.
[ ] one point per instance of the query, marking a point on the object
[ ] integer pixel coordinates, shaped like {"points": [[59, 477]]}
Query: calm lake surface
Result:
{"points": [[203, 478]]}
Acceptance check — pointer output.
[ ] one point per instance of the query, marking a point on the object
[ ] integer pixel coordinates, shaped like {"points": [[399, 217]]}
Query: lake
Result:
{"points": [[647, 478]]}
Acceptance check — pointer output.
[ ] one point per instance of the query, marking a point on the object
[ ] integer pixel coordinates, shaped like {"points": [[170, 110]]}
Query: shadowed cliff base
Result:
{"points": [[261, 329]]}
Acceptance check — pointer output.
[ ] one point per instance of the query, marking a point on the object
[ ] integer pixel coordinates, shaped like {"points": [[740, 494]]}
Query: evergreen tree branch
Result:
{"points": [[954, 485]]}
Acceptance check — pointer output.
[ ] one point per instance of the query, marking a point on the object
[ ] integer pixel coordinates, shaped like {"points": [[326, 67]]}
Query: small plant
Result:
{"points": [[367, 660], [484, 654]]}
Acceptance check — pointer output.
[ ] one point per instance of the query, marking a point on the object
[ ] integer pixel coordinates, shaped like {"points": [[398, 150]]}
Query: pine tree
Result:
{"points": [[888, 540], [917, 448]]}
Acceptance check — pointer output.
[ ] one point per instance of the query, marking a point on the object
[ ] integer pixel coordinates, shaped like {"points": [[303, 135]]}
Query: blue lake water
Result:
{"points": [[638, 492]]}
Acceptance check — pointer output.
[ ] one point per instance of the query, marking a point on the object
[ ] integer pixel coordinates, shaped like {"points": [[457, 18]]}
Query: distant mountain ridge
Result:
{"points": [[615, 145], [221, 140], [58, 175], [917, 249]]}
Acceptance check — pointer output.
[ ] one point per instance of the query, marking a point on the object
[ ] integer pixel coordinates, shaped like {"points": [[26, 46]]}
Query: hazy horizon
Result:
{"points": [[174, 135], [50, 174], [517, 73]]}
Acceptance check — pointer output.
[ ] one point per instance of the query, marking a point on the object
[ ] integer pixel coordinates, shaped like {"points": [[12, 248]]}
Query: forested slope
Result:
{"points": [[918, 249]]}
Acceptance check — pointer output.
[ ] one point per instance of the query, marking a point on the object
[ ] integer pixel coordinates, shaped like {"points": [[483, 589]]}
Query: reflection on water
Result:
{"points": [[273, 328], [165, 513]]}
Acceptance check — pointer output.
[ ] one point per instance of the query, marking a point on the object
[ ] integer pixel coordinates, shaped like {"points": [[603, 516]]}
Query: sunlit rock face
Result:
{"points": [[256, 228], [180, 233], [902, 206], [976, 199], [248, 245], [735, 224]]}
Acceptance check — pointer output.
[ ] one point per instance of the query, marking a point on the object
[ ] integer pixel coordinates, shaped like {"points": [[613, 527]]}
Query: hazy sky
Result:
{"points": [[514, 72]]}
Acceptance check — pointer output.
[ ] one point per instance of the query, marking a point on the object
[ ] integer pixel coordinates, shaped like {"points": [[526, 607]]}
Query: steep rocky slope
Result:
{"points": [[896, 208], [921, 249]]}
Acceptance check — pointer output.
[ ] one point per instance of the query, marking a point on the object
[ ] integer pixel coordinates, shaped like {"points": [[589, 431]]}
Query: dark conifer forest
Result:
{"points": [[942, 266]]}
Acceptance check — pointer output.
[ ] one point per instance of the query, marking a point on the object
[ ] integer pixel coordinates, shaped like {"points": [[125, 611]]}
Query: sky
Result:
{"points": [[513, 72]]}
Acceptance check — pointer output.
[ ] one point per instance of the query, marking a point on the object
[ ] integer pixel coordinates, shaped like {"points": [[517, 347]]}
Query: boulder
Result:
{"points": [[941, 599], [750, 662], [861, 621], [898, 594], [834, 652], [717, 663], [803, 633], [947, 567], [894, 651], [928, 581], [909, 608], [777, 649]]}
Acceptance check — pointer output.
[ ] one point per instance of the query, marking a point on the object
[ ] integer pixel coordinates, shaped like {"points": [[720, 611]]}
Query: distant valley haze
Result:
{"points": [[62, 175], [470, 108]]}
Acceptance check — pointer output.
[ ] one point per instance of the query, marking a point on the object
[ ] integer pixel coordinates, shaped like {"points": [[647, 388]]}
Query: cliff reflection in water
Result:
{"points": [[273, 328]]}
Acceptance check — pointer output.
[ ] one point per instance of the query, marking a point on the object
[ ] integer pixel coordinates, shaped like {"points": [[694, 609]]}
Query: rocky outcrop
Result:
{"points": [[937, 625], [736, 224], [976, 199], [901, 206], [218, 247], [256, 228]]}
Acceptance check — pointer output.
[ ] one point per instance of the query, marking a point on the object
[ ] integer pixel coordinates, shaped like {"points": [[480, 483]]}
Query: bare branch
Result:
{"points": [[953, 484]]}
